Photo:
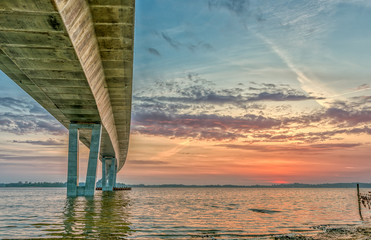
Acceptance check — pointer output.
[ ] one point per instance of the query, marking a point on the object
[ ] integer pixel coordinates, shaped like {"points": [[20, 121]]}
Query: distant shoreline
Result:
{"points": [[292, 185]]}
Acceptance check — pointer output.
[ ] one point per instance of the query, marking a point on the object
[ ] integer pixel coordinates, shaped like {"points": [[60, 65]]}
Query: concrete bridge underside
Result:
{"points": [[75, 58]]}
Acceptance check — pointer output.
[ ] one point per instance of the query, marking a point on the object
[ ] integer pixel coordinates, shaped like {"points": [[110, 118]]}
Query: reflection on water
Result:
{"points": [[172, 213], [47, 213], [104, 218]]}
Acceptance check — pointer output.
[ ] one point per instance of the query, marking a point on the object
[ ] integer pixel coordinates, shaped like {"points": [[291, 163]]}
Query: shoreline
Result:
{"points": [[271, 186]]}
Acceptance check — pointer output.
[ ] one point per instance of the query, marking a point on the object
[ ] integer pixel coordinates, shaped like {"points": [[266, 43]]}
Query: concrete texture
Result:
{"points": [[75, 58]]}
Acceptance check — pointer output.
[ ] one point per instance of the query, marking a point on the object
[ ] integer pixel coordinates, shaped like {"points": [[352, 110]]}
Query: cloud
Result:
{"points": [[250, 127], [21, 124], [146, 162], [175, 44], [363, 87], [195, 90], [49, 142], [308, 149], [31, 158], [282, 96], [349, 118], [360, 88], [20, 105], [328, 146], [21, 116], [191, 46], [340, 114], [238, 7], [199, 46], [154, 51], [204, 127], [192, 107], [360, 101], [307, 137]]}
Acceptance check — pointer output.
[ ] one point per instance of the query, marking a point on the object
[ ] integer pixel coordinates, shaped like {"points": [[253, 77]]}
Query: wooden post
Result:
{"points": [[359, 202]]}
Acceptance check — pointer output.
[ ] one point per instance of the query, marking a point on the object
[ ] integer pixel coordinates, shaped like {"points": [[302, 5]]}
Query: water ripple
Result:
{"points": [[172, 213]]}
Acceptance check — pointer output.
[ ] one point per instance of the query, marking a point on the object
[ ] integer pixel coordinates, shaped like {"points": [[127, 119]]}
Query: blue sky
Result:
{"points": [[227, 91]]}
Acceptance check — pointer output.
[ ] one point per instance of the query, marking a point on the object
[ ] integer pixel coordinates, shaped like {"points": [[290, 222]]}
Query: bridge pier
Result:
{"points": [[109, 171], [73, 188]]}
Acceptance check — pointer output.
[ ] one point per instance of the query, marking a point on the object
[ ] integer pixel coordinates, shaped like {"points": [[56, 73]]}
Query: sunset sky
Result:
{"points": [[226, 92]]}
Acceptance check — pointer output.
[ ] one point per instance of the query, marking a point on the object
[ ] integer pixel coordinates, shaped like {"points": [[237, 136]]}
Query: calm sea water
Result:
{"points": [[172, 213]]}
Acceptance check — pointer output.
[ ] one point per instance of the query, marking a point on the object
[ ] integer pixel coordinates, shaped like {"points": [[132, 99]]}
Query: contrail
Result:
{"points": [[172, 151], [342, 94], [308, 85]]}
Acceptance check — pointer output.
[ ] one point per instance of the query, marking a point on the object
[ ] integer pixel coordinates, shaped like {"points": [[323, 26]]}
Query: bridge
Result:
{"points": [[75, 58]]}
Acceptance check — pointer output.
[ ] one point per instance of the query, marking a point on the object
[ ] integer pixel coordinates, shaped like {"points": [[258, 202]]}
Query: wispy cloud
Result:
{"points": [[308, 149], [331, 146], [360, 88], [175, 44], [171, 152], [146, 162], [363, 87], [307, 137], [154, 51], [238, 7], [191, 45]]}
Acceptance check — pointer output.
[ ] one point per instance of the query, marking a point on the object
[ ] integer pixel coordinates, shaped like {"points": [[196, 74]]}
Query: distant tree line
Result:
{"points": [[99, 184], [34, 184]]}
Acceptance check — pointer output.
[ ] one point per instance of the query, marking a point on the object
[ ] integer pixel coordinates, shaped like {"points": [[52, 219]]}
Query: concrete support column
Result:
{"points": [[93, 158], [115, 175], [106, 163], [73, 161], [111, 174], [109, 169], [73, 188], [104, 174]]}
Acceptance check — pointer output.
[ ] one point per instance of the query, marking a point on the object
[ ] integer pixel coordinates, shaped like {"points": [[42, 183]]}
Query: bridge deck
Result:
{"points": [[75, 59]]}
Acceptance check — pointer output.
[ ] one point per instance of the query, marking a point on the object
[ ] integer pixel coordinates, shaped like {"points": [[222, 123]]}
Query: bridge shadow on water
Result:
{"points": [[104, 216]]}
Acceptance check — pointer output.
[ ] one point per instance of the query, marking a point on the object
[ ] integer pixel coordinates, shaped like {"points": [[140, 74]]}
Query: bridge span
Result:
{"points": [[75, 58]]}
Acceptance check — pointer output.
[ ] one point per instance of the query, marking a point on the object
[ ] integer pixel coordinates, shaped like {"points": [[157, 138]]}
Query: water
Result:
{"points": [[173, 213]]}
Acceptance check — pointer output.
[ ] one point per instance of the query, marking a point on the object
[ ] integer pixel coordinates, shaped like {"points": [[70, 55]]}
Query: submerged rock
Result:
{"points": [[263, 210]]}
